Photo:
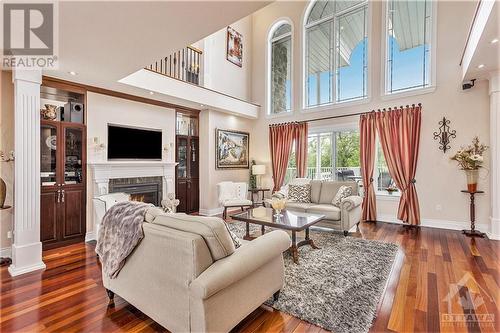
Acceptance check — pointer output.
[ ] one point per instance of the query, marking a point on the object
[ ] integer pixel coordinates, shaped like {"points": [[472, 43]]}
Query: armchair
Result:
{"points": [[232, 194]]}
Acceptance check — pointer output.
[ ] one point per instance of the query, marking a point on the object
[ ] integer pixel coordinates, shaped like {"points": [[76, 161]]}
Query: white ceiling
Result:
{"points": [[107, 40], [486, 53]]}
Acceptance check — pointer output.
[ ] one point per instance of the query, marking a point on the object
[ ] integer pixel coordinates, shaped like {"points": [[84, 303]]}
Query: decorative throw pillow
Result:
{"points": [[299, 193], [236, 240], [342, 193]]}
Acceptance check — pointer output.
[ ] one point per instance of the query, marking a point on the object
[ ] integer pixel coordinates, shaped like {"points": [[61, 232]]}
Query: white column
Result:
{"points": [[26, 248], [495, 154]]}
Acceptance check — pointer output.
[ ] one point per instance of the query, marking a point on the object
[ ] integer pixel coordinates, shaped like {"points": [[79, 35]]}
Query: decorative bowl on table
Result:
{"points": [[278, 205]]}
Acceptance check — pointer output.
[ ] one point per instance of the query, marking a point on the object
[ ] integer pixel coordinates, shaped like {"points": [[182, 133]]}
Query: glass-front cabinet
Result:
{"points": [[48, 150]]}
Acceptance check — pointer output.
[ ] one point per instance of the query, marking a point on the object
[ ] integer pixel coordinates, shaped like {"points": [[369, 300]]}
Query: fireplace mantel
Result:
{"points": [[102, 172]]}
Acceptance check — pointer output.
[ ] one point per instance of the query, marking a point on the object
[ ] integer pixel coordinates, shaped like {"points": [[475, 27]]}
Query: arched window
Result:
{"points": [[336, 50], [280, 69]]}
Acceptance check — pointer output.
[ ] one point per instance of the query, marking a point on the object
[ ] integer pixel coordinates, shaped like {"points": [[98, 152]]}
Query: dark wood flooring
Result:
{"points": [[432, 264]]}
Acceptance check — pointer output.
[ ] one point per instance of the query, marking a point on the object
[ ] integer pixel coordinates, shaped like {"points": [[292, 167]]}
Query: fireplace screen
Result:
{"points": [[146, 190]]}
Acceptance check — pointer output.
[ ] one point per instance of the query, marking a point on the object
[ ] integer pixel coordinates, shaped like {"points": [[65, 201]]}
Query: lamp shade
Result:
{"points": [[258, 169]]}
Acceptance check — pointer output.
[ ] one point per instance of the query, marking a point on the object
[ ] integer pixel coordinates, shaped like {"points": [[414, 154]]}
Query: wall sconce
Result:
{"points": [[8, 158], [444, 135], [98, 146]]}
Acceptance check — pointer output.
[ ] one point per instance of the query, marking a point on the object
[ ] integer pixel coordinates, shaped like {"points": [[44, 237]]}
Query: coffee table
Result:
{"points": [[291, 220]]}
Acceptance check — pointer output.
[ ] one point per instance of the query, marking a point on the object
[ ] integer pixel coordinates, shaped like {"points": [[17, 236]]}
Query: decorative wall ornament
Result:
{"points": [[8, 158], [49, 113], [232, 149], [234, 47], [444, 135]]}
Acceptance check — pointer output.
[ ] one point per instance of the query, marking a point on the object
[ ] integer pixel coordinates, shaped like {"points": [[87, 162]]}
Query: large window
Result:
{"points": [[409, 31], [336, 52], [383, 182], [280, 44]]}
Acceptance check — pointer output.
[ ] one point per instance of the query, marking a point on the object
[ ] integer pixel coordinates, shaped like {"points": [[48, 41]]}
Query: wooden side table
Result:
{"points": [[473, 232], [5, 261], [255, 192]]}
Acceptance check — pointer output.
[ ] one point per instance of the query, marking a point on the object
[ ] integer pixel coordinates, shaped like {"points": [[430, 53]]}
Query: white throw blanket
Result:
{"points": [[120, 232]]}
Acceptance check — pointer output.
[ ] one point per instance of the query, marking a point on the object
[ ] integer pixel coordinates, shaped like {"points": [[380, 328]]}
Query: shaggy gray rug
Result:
{"points": [[337, 286]]}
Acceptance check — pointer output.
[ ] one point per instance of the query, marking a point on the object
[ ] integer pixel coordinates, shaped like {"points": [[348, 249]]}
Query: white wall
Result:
{"points": [[222, 75], [6, 145], [101, 110], [209, 175], [438, 179]]}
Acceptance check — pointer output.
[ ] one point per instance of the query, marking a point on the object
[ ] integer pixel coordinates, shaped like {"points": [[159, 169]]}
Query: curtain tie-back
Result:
{"points": [[371, 180], [413, 181]]}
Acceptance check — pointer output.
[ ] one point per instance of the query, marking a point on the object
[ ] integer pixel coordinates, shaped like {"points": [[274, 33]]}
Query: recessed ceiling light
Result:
{"points": [[480, 66], [151, 93], [494, 41], [72, 73]]}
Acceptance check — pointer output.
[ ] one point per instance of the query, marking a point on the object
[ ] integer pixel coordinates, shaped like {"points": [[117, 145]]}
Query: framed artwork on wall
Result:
{"points": [[234, 43], [231, 149]]}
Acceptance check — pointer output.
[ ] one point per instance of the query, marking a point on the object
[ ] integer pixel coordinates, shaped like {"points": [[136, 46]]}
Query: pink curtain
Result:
{"points": [[399, 133], [281, 137], [367, 156], [300, 136]]}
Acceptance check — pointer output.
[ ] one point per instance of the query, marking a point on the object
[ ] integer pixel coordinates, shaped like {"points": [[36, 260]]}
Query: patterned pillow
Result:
{"points": [[299, 193], [236, 240], [343, 192]]}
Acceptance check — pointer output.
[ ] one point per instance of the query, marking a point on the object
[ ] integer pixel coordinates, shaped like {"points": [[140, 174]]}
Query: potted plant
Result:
{"points": [[470, 159]]}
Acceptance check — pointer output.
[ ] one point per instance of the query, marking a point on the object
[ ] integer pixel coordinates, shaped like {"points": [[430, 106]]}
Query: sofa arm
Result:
{"points": [[241, 263], [351, 202]]}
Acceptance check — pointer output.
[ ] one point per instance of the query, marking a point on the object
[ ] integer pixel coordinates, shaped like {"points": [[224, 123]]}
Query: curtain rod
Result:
{"points": [[344, 116]]}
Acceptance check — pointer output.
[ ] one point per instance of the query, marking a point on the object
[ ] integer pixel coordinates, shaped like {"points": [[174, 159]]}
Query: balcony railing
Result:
{"points": [[184, 65]]}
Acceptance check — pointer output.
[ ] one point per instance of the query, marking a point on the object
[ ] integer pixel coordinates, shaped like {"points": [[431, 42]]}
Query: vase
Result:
{"points": [[3, 192], [472, 177]]}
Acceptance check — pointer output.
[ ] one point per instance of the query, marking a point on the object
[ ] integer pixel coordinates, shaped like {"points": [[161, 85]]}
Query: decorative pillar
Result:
{"points": [[495, 154], [26, 247]]}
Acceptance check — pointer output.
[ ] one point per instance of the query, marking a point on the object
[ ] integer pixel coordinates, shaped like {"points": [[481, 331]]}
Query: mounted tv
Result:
{"points": [[132, 143]]}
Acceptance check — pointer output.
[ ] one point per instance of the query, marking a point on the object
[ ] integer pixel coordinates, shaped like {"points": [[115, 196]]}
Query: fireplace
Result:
{"points": [[144, 189]]}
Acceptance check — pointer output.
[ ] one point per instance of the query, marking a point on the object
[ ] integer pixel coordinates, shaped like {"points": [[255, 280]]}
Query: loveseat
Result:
{"points": [[322, 194], [187, 275]]}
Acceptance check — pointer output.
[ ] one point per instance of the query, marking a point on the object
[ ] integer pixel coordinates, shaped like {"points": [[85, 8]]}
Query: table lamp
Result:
{"points": [[258, 170]]}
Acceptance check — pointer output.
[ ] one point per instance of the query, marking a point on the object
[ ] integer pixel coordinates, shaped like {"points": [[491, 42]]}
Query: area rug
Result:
{"points": [[337, 286]]}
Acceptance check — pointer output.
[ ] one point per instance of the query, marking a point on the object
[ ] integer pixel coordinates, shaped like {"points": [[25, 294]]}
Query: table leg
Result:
{"points": [[247, 234], [263, 229], [293, 249], [310, 241]]}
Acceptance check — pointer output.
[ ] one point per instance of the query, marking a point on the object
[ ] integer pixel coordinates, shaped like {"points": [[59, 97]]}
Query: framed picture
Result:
{"points": [[231, 149], [234, 47]]}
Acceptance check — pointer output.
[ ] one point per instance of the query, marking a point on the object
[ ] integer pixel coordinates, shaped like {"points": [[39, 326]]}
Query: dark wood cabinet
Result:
{"points": [[187, 156], [63, 183]]}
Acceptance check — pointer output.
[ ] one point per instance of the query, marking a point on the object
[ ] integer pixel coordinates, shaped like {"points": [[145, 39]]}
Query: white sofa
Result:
{"points": [[322, 194], [187, 275]]}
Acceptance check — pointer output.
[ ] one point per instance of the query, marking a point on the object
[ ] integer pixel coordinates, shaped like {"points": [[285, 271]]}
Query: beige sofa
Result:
{"points": [[187, 275], [322, 194]]}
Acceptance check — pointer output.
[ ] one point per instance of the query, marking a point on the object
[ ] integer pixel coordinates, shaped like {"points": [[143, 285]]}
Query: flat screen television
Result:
{"points": [[129, 143]]}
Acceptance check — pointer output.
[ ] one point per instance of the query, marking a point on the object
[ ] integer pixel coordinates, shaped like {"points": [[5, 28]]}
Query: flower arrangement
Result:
{"points": [[470, 157]]}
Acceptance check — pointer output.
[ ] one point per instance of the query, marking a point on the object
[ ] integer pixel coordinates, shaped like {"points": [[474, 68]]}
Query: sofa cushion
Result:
{"points": [[212, 229], [342, 193], [298, 206], [237, 202], [330, 211], [315, 190], [299, 193], [328, 191]]}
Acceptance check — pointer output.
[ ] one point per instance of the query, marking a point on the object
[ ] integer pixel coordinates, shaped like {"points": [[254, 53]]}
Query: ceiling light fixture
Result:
{"points": [[72, 73], [480, 66]]}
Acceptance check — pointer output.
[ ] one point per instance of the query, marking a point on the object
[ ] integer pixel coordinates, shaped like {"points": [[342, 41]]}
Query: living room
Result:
{"points": [[344, 155]]}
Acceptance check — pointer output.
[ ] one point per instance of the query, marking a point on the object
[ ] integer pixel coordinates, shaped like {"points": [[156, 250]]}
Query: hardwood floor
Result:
{"points": [[432, 263]]}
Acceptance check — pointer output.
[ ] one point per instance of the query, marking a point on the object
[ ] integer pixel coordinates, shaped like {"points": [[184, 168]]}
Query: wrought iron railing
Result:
{"points": [[184, 65]]}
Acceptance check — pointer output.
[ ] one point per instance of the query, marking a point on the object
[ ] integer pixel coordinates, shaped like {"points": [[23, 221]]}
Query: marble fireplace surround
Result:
{"points": [[102, 172]]}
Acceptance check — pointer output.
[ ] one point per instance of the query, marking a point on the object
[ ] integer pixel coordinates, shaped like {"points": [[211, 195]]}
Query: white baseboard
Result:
{"points": [[211, 211], [6, 252], [89, 236], [14, 271], [435, 223]]}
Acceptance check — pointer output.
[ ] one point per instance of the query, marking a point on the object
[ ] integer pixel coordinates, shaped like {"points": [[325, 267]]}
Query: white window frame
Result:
{"points": [[383, 194], [276, 24], [351, 102], [384, 80]]}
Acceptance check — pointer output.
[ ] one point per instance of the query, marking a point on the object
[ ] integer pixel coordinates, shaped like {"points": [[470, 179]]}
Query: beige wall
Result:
{"points": [[222, 75], [209, 175], [438, 179], [101, 110], [6, 145]]}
